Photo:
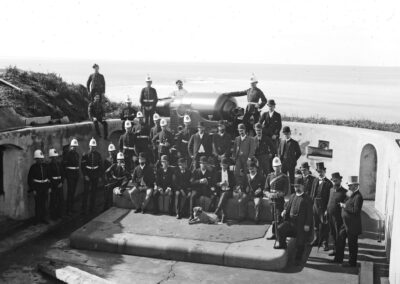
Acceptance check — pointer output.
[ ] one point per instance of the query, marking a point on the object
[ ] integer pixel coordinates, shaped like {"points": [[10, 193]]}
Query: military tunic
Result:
{"points": [[39, 182], [71, 169], [96, 85], [92, 169], [148, 101], [56, 174]]}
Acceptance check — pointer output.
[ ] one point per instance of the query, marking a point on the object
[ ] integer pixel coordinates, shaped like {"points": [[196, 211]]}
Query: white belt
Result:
{"points": [[143, 136], [129, 148], [148, 101], [57, 178], [92, 168], [41, 180], [184, 141], [118, 178], [162, 144], [73, 168]]}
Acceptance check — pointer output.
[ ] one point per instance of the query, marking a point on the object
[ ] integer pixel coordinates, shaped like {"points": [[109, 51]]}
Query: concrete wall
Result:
{"points": [[18, 147]]}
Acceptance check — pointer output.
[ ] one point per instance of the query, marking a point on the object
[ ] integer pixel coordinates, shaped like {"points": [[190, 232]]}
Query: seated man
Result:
{"points": [[143, 182], [297, 218], [254, 187], [225, 182], [182, 186], [202, 183], [117, 179], [164, 185]]}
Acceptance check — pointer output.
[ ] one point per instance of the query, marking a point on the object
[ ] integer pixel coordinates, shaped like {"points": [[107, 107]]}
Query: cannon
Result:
{"points": [[206, 107]]}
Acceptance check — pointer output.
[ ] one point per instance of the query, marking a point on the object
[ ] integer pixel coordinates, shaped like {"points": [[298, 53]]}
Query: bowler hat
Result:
{"points": [[352, 180], [241, 126], [203, 160], [200, 124], [95, 65], [298, 179], [181, 161], [258, 126], [336, 175], [305, 165], [164, 158], [286, 129], [251, 164], [271, 102], [225, 161], [320, 167], [142, 155]]}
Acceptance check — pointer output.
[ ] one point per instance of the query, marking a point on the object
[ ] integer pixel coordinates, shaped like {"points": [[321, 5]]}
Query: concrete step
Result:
{"points": [[123, 232]]}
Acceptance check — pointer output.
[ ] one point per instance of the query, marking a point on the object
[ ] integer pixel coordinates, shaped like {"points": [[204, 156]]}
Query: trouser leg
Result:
{"points": [[276, 211], [93, 190], [71, 189], [193, 198], [177, 202], [257, 205], [242, 206], [156, 199], [105, 128], [53, 202], [222, 201], [341, 244], [149, 194], [96, 126], [134, 195], [85, 195], [291, 171], [353, 248]]}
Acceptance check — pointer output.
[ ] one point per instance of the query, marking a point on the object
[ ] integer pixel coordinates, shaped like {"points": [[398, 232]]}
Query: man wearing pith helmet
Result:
{"points": [[128, 112], [92, 170], [153, 132], [127, 145], [56, 175], [71, 168], [142, 135], [164, 138], [183, 137], [148, 101]]}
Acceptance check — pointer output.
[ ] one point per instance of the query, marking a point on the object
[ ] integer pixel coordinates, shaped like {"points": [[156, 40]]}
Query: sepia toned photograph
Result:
{"points": [[200, 141]]}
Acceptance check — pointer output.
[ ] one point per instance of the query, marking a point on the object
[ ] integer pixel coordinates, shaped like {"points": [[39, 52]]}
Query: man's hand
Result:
{"points": [[274, 137], [258, 191], [326, 213], [283, 213], [86, 178], [212, 188], [60, 185], [343, 205], [94, 119], [306, 228], [257, 105]]}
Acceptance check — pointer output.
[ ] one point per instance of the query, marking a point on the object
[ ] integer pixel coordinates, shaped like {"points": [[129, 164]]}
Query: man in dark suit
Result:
{"points": [[148, 101], [243, 150], [320, 197], [182, 186], [221, 142], [308, 178], [200, 144], [96, 85], [272, 122], [225, 183], [265, 149], [351, 229], [289, 152], [297, 218]]}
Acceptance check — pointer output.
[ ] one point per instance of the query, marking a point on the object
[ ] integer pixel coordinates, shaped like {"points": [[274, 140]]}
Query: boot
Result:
{"points": [[315, 242]]}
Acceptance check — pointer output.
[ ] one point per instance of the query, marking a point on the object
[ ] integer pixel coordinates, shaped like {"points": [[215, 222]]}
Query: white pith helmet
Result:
{"points": [[53, 153], [148, 78], [93, 143], [128, 124], [120, 156], [128, 100], [186, 118], [74, 142], [38, 154], [139, 114], [253, 79], [156, 117], [163, 122], [276, 162], [111, 147]]}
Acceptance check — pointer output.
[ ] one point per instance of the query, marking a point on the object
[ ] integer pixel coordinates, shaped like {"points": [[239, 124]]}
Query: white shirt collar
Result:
{"points": [[242, 138], [299, 194]]}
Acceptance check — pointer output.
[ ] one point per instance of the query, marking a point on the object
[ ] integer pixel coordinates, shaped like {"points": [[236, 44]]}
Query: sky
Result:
{"points": [[334, 32]]}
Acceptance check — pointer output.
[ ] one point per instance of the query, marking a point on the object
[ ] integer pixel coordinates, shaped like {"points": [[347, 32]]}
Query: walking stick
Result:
{"points": [[276, 221]]}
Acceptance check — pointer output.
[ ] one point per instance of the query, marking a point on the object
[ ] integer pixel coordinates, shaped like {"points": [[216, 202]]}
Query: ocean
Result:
{"points": [[336, 92]]}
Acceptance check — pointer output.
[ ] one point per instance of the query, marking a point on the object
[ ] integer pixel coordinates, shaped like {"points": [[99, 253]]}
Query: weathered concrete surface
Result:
{"points": [[18, 147], [121, 231]]}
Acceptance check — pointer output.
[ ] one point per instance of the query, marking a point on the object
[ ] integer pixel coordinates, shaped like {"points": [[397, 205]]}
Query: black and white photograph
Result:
{"points": [[200, 141]]}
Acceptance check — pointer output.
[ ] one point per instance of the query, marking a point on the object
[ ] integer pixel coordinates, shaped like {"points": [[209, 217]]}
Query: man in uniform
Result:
{"points": [[225, 183], [254, 96], [164, 185], [308, 178], [272, 123], [71, 169], [200, 145], [112, 157], [182, 187], [289, 152], [337, 195], [142, 136], [107, 164], [180, 92], [56, 175], [127, 113], [276, 187], [153, 132], [127, 145], [92, 170], [352, 228], [148, 101], [320, 197], [183, 137], [202, 183], [117, 180], [222, 142], [164, 138], [297, 220], [265, 149], [243, 150], [96, 114], [96, 85], [39, 184]]}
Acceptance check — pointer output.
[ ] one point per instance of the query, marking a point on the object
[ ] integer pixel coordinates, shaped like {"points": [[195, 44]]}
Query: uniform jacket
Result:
{"points": [[351, 214], [299, 210], [182, 180], [163, 137], [96, 110], [145, 176], [195, 142], [265, 146], [127, 141], [222, 144], [254, 95], [56, 173], [107, 166], [271, 125], [119, 176], [128, 113], [142, 135], [244, 149], [289, 152], [92, 164], [96, 82], [38, 177], [153, 132], [71, 160], [321, 191], [164, 179], [148, 97], [279, 184]]}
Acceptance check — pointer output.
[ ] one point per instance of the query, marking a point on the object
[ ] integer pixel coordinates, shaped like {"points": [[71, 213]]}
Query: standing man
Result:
{"points": [[56, 175], [297, 220], [255, 102], [112, 157], [183, 137], [289, 152], [182, 187], [96, 114], [96, 85], [225, 183], [92, 170], [276, 188], [71, 168], [153, 132], [351, 229], [243, 150], [127, 145], [337, 196], [164, 138], [148, 101], [200, 145], [320, 197], [127, 113], [272, 122], [308, 178], [180, 92], [222, 142], [142, 136], [39, 184], [265, 150]]}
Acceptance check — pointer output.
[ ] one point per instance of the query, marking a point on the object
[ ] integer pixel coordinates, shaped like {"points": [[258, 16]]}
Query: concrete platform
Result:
{"points": [[123, 232]]}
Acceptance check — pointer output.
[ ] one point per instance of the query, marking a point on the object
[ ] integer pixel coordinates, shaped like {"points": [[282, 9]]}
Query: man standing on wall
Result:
{"points": [[148, 101], [96, 114], [71, 167], [96, 85], [272, 123]]}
